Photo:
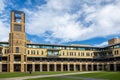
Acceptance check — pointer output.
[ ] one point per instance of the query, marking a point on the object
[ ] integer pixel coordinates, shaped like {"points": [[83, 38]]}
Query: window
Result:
{"points": [[17, 28], [91, 54], [28, 52], [79, 54], [0, 50], [67, 53], [117, 52], [56, 53], [6, 51], [31, 51], [34, 52], [37, 52], [63, 54], [49, 53], [87, 54], [74, 53], [82, 53], [42, 52], [70, 53], [18, 17], [17, 49]]}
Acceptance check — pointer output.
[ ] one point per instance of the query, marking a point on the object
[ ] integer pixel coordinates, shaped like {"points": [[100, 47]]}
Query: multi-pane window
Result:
{"points": [[82, 53], [17, 28], [116, 52], [17, 49], [87, 54], [79, 54]]}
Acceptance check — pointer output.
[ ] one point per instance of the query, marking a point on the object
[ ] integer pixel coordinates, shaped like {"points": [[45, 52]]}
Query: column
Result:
{"points": [[0, 67], [86, 67], [55, 67], [74, 67], [80, 67], [11, 63], [103, 66], [26, 67], [22, 67], [68, 67], [40, 67], [11, 67], [33, 67], [62, 67], [92, 67], [8, 68], [97, 66], [108, 67], [115, 68], [48, 67], [22, 62]]}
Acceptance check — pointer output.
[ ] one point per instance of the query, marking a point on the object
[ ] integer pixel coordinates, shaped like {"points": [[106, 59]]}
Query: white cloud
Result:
{"points": [[4, 30], [63, 20], [2, 6], [103, 44]]}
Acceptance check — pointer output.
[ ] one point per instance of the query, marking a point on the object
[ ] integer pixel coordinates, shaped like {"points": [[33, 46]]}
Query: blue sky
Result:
{"points": [[64, 21]]}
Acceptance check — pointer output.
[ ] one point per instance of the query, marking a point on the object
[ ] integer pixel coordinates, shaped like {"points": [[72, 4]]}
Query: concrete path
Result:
{"points": [[43, 76]]}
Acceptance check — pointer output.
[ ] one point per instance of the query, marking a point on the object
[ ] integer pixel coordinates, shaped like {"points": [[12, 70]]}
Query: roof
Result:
{"points": [[65, 45]]}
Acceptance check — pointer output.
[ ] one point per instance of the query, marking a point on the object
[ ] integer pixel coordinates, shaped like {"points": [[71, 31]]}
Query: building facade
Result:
{"points": [[19, 55]]}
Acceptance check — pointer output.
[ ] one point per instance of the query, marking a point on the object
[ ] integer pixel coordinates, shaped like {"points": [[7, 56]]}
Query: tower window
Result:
{"points": [[17, 49], [17, 28], [18, 17]]}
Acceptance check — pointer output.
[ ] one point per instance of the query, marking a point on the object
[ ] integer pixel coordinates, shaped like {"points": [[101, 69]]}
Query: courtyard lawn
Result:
{"points": [[101, 75], [22, 74]]}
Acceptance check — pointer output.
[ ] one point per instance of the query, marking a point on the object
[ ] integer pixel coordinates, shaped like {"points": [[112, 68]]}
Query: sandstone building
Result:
{"points": [[19, 55]]}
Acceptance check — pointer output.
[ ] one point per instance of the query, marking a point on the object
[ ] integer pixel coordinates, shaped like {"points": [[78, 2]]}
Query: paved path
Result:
{"points": [[53, 75]]}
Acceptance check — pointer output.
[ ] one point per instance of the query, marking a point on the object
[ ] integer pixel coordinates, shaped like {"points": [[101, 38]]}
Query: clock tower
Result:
{"points": [[17, 42]]}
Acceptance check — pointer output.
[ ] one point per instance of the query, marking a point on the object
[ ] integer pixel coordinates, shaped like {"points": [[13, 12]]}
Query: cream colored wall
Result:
{"points": [[67, 53], [42, 52], [61, 52]]}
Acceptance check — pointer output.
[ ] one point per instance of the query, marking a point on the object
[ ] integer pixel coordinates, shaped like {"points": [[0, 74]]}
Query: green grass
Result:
{"points": [[53, 78], [21, 74], [101, 75]]}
